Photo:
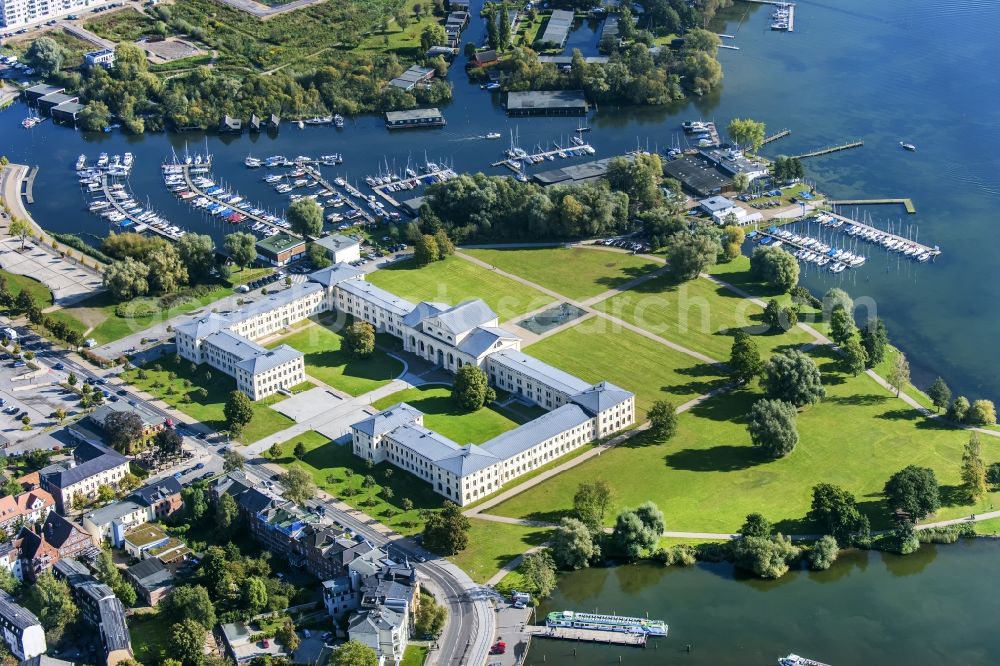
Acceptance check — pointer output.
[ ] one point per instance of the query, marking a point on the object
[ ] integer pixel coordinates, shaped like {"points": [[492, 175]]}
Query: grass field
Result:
{"points": [[593, 350], [698, 314], [150, 635], [443, 415], [709, 476], [18, 283], [335, 468], [328, 362], [454, 280], [576, 273], [415, 655], [492, 545], [207, 409], [127, 25]]}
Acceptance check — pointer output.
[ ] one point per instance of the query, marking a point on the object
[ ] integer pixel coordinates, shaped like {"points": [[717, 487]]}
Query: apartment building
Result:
{"points": [[100, 608], [93, 466], [29, 507], [20, 13], [57, 539], [155, 501], [22, 632]]}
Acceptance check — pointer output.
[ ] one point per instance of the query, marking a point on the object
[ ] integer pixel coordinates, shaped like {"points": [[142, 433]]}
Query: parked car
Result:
{"points": [[199, 466], [58, 366]]}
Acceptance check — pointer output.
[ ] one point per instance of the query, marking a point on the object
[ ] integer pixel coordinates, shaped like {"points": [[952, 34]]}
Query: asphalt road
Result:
{"points": [[469, 632]]}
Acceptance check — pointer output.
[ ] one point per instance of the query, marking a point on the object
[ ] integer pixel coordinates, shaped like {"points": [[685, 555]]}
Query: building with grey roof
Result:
{"points": [[557, 29], [546, 103], [524, 375], [45, 660], [383, 630], [151, 579], [414, 118], [575, 174], [413, 77], [100, 608], [341, 249], [64, 480], [22, 632]]}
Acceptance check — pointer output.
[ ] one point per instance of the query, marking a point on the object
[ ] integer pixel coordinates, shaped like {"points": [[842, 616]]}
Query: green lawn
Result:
{"points": [[698, 314], [709, 476], [127, 25], [455, 280], [207, 409], [328, 362], [335, 468], [18, 283], [415, 655], [150, 636], [492, 545], [594, 351], [576, 273], [405, 41], [443, 415]]}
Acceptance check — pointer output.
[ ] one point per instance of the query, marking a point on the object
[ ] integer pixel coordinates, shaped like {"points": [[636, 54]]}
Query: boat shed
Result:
{"points": [[230, 124], [576, 173], [562, 60], [274, 122], [34, 93], [414, 118], [547, 103], [558, 27], [412, 206], [52, 100], [412, 77], [66, 112], [699, 176], [459, 5], [254, 123]]}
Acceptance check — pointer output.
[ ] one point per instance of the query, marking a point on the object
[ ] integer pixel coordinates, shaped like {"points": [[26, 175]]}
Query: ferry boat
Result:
{"points": [[796, 660], [601, 622]]}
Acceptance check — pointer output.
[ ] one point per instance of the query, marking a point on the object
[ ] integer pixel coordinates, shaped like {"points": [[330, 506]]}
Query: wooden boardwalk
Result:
{"points": [[906, 203], [189, 182], [777, 135], [586, 635], [831, 149]]}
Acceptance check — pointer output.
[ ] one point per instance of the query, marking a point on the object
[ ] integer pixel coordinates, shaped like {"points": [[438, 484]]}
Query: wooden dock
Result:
{"points": [[586, 635], [831, 149], [535, 158], [933, 251], [314, 172], [186, 172], [106, 189], [906, 203], [777, 135], [382, 190]]}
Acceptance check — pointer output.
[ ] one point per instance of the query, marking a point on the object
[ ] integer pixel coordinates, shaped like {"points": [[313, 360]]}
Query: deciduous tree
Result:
{"points": [[123, 430], [914, 491], [899, 373], [471, 389], [981, 413], [354, 653], [842, 326], [794, 378], [875, 340], [745, 362], [19, 228], [592, 501], [232, 461], [855, 356], [359, 338], [746, 132], [539, 572], [187, 642], [662, 420], [774, 266], [298, 485], [447, 531], [940, 394], [305, 217], [238, 411], [45, 56], [689, 255], [756, 525], [189, 602], [197, 253], [823, 553], [127, 279], [241, 248], [572, 544], [772, 427], [974, 469]]}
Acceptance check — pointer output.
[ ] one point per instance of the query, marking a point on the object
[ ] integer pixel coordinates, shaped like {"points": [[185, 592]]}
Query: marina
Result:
{"points": [[809, 250], [357, 211], [908, 246], [393, 183], [516, 159]]}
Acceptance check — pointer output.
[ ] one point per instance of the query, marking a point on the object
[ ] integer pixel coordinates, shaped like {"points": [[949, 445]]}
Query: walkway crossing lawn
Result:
{"points": [[443, 415], [455, 280], [338, 471], [574, 272], [597, 350], [328, 362], [492, 545], [183, 392], [699, 315], [709, 477]]}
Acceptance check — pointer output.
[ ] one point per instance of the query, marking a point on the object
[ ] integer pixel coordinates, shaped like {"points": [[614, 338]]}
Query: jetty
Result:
{"points": [[140, 225], [185, 170], [587, 635], [881, 236], [831, 149], [777, 135], [314, 173], [409, 183], [907, 203], [536, 158]]}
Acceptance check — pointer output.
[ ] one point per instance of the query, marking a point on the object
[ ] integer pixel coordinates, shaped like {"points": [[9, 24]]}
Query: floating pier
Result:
{"points": [[535, 158], [185, 170], [314, 172], [831, 149], [587, 635], [848, 222], [906, 203], [116, 204], [777, 135]]}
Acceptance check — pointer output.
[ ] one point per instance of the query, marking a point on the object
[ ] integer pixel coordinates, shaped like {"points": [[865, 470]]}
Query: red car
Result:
{"points": [[265, 643], [499, 648]]}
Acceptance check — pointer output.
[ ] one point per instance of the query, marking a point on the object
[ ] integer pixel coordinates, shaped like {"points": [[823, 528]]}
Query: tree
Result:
{"points": [[241, 248], [733, 237], [756, 525], [662, 420], [855, 356], [447, 531], [238, 411], [974, 469], [226, 514], [425, 250], [747, 132], [767, 557], [794, 378], [166, 270], [232, 461], [359, 339], [122, 430], [631, 537], [774, 266], [197, 253], [471, 389], [187, 642], [959, 409], [19, 228], [503, 27], [842, 326], [72, 380], [823, 553], [993, 474], [105, 493], [901, 539], [592, 501], [940, 394], [274, 451], [432, 35], [899, 373], [95, 116], [913, 491], [875, 340], [45, 56], [431, 617], [690, 255], [837, 298], [285, 634], [298, 484], [539, 573], [445, 247], [194, 502], [189, 602], [254, 594], [52, 602], [406, 504], [572, 544], [772, 427], [354, 653], [299, 451], [305, 217], [127, 279], [168, 442], [981, 413], [745, 362]]}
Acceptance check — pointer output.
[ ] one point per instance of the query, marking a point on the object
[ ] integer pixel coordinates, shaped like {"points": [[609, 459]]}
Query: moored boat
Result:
{"points": [[602, 622]]}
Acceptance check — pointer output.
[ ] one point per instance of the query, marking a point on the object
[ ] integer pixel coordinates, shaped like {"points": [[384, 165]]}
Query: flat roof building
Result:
{"points": [[34, 93], [412, 77], [341, 249], [698, 175], [414, 118], [575, 174], [547, 103], [557, 29], [52, 100], [280, 249]]}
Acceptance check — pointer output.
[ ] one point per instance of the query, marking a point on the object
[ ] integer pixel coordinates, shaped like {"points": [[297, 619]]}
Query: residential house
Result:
{"points": [[151, 579], [27, 508], [93, 466], [383, 630], [22, 632], [59, 538], [154, 501]]}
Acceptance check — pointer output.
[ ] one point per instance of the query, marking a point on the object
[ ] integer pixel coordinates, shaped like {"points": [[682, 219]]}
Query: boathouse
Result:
{"points": [[557, 29], [547, 103], [34, 93], [254, 123], [412, 77], [274, 122], [482, 58], [231, 125], [67, 112], [52, 100], [414, 118], [576, 174], [699, 176]]}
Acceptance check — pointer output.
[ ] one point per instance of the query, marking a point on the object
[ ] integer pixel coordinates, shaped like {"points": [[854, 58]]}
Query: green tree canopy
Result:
{"points": [[539, 573], [305, 217], [913, 491], [691, 254], [774, 266], [940, 394], [745, 362], [354, 653], [238, 411], [45, 56], [592, 501], [662, 420], [572, 545], [359, 339], [298, 485], [241, 248], [471, 389], [447, 531], [793, 377], [772, 427], [747, 132]]}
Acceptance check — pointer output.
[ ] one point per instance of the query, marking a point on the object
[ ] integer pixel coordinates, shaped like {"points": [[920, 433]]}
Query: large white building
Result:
{"points": [[18, 13], [22, 632]]}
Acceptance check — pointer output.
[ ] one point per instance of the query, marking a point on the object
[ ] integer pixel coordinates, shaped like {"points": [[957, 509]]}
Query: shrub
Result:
{"points": [[823, 553]]}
